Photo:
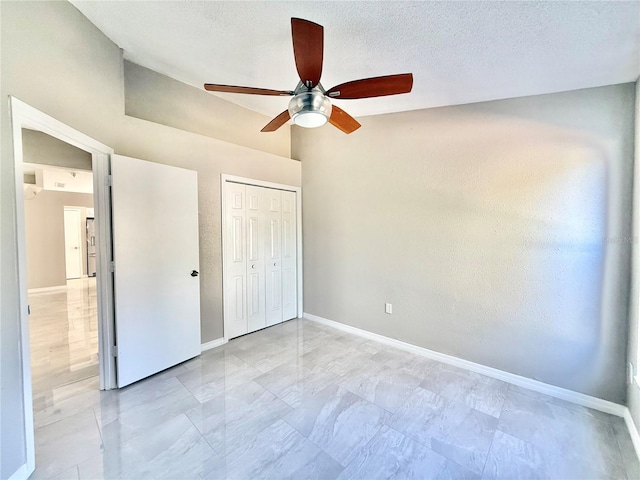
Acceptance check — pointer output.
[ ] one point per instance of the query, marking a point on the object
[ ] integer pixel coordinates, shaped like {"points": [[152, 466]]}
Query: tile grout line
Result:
{"points": [[215, 451], [363, 448], [314, 443], [456, 402], [411, 437], [622, 456], [493, 439]]}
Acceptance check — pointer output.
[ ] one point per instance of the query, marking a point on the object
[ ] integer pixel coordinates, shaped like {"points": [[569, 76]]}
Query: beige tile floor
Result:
{"points": [[300, 400]]}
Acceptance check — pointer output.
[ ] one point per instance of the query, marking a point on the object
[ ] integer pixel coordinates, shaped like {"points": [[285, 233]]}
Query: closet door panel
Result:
{"points": [[289, 256], [273, 258], [235, 288], [256, 289]]}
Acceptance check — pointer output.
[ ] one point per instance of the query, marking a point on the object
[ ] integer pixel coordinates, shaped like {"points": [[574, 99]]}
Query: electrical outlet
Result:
{"points": [[388, 308], [631, 371]]}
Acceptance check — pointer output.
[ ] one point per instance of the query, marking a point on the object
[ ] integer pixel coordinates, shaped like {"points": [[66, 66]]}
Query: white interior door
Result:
{"points": [[273, 258], [235, 267], [155, 248], [72, 243], [289, 256]]}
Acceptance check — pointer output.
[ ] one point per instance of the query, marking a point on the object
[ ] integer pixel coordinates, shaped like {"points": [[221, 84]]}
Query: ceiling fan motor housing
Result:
{"points": [[310, 109]]}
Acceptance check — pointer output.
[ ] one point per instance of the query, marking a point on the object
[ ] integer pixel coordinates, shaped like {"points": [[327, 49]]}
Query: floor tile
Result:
{"points": [[562, 403], [452, 429], [371, 346], [235, 417], [627, 451], [382, 385], [173, 449], [474, 390], [392, 455], [68, 400], [512, 458], [293, 382], [139, 395], [265, 356], [217, 375], [324, 354], [63, 444], [121, 422], [278, 452], [583, 438], [308, 339], [299, 400], [407, 362], [341, 365], [63, 331], [293, 327], [338, 421]]}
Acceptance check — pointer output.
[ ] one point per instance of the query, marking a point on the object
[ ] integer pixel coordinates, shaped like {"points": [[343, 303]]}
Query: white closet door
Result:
{"points": [[257, 203], [289, 256], [155, 248], [235, 311], [273, 244]]}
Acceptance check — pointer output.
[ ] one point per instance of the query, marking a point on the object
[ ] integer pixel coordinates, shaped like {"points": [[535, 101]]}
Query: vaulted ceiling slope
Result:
{"points": [[459, 52]]}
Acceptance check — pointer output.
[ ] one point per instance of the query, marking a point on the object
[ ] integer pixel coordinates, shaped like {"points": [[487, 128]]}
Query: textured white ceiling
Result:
{"points": [[459, 52]]}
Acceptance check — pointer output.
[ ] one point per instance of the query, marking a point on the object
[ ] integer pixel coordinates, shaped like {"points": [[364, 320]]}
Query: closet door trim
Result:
{"points": [[224, 179]]}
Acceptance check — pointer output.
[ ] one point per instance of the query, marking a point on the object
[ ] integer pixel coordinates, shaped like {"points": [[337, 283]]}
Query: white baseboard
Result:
{"points": [[213, 344], [47, 289], [633, 431], [535, 385], [21, 474]]}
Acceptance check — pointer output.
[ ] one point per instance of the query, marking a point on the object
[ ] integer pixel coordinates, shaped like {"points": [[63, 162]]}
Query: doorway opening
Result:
{"points": [[63, 315], [25, 117]]}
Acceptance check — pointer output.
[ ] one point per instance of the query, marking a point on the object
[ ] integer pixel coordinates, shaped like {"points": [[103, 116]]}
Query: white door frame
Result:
{"points": [[224, 178], [79, 227], [26, 116]]}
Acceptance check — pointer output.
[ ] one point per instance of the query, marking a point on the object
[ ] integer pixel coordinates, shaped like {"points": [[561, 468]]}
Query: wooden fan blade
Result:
{"points": [[373, 87], [212, 87], [342, 120], [277, 122], [308, 48]]}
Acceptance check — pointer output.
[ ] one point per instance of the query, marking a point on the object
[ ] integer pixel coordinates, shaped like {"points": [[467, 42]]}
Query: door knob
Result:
{"points": [[253, 266], [194, 273], [275, 264]]}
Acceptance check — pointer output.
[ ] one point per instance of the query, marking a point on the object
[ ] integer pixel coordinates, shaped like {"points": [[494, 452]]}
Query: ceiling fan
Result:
{"points": [[311, 103]]}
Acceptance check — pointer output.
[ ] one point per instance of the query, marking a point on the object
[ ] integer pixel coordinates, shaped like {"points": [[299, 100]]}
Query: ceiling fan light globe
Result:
{"points": [[310, 109], [310, 119]]}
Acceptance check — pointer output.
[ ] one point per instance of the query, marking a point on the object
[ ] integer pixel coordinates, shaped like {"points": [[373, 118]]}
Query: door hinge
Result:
{"points": [[112, 266], [109, 180], [114, 350]]}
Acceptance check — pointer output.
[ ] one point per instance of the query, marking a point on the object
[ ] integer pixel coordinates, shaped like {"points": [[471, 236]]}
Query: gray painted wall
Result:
{"points": [[498, 231], [44, 229], [54, 59], [40, 148], [160, 99], [633, 396]]}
